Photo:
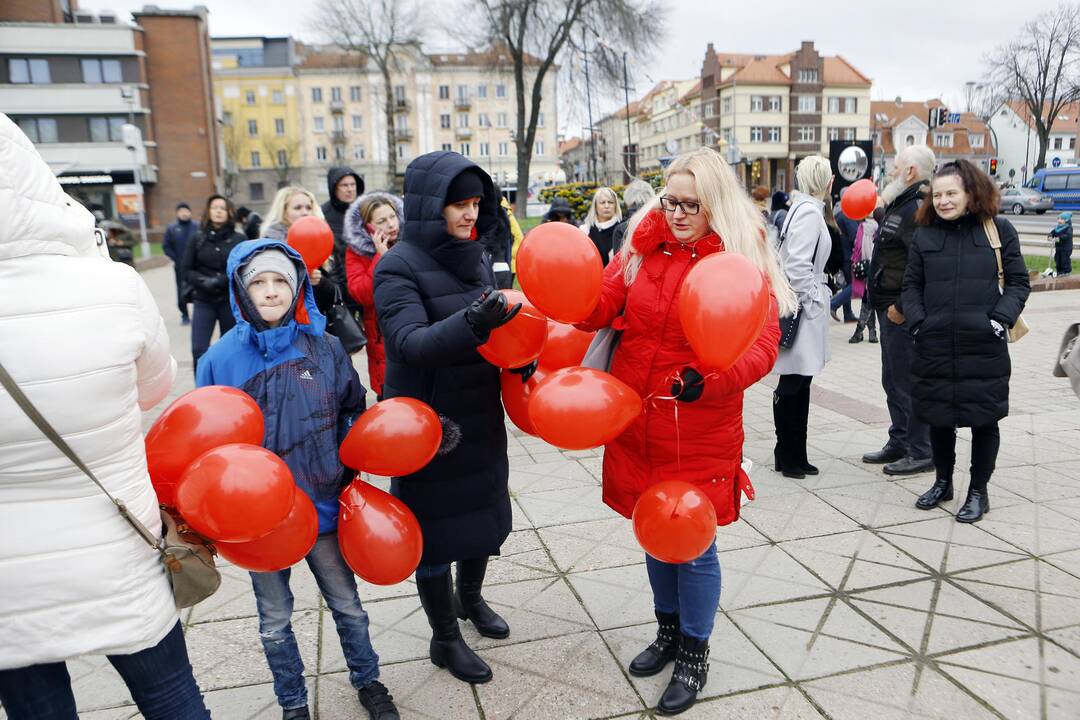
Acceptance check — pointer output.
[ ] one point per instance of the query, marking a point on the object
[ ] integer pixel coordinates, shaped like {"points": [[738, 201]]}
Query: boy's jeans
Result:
{"points": [[275, 602], [690, 589]]}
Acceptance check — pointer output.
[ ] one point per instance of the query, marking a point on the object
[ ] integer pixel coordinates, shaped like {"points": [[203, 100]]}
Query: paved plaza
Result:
{"points": [[840, 599]]}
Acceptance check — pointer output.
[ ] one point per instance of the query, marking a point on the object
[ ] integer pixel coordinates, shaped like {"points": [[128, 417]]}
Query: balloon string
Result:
{"points": [[675, 381]]}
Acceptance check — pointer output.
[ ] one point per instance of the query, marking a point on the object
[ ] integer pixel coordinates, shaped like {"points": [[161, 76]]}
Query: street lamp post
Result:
{"points": [[133, 139]]}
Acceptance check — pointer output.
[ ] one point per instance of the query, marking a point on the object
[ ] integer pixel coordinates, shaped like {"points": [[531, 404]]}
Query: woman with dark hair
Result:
{"points": [[203, 270], [964, 288]]}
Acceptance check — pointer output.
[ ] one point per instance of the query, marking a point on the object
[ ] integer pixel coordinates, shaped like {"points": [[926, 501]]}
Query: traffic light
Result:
{"points": [[993, 166], [939, 116]]}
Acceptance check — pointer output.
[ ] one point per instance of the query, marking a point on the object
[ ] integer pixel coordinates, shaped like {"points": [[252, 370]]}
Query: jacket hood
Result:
{"points": [[39, 217], [427, 180], [305, 315], [357, 237], [333, 176], [653, 232]]}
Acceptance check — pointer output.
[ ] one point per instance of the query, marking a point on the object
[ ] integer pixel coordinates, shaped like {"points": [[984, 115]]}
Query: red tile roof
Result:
{"points": [[885, 115]]}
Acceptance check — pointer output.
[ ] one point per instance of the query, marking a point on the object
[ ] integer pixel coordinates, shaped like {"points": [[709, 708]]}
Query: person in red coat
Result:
{"points": [[371, 227], [691, 428]]}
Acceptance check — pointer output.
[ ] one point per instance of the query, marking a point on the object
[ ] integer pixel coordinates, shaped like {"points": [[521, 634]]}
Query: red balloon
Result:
{"points": [[860, 199], [565, 346], [518, 342], [313, 239], [236, 493], [579, 408], [560, 271], [516, 395], [379, 536], [282, 547], [395, 437], [674, 521], [195, 422], [723, 306]]}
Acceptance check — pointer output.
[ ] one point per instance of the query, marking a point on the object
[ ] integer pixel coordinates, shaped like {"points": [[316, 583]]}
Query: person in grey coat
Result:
{"points": [[804, 249]]}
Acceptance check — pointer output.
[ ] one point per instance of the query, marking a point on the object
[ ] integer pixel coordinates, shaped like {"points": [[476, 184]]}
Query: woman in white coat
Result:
{"points": [[83, 339], [804, 248]]}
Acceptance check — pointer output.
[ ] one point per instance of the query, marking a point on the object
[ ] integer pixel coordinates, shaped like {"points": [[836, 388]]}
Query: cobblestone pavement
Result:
{"points": [[840, 599]]}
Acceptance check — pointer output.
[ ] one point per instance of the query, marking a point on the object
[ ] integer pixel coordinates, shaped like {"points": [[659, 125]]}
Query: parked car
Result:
{"points": [[1019, 200]]}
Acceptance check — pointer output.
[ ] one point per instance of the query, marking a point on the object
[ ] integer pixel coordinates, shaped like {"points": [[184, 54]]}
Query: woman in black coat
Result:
{"points": [[203, 273], [959, 314], [435, 302]]}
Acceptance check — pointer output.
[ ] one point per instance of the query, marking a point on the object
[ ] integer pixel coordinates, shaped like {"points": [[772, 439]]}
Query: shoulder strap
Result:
{"points": [[47, 430], [787, 223], [990, 228]]}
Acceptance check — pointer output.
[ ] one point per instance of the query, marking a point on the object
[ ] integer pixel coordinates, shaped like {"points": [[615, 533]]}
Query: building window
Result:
{"points": [[756, 134], [106, 129], [462, 93], [500, 91], [444, 92], [806, 134], [253, 128], [943, 140], [851, 105], [774, 134], [249, 97], [357, 122], [29, 70], [335, 94], [399, 95], [725, 106], [1072, 142], [101, 71], [481, 92], [500, 120], [540, 120], [808, 76], [834, 105], [320, 153], [255, 191], [539, 147], [339, 152], [833, 133], [319, 125], [339, 123], [1057, 143], [447, 147], [227, 118], [256, 160], [282, 158], [358, 152], [504, 149], [757, 103], [909, 140], [776, 103], [316, 95], [444, 121], [354, 93], [401, 122], [708, 109], [464, 149], [807, 103], [849, 134], [463, 121], [39, 130], [277, 97], [485, 149]]}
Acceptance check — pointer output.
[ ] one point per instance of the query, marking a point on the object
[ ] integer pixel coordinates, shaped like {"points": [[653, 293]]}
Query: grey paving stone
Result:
{"points": [[763, 574], [523, 558], [592, 545], [616, 596], [795, 515], [251, 702], [854, 560], [781, 703], [420, 690], [559, 507], [534, 609]]}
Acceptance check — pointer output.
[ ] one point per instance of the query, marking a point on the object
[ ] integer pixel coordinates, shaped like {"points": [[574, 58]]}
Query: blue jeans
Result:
{"points": [[204, 316], [158, 678], [691, 589], [275, 602]]}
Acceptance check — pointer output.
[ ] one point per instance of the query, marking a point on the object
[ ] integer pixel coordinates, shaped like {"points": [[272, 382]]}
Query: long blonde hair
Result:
{"points": [[590, 219], [277, 208], [732, 215]]}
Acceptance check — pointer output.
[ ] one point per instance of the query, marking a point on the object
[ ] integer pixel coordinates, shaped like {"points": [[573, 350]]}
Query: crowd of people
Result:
{"points": [[941, 276]]}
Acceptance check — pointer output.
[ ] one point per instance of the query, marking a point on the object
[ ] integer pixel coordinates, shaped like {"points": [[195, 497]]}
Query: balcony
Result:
{"points": [[463, 133], [403, 134], [462, 103], [337, 106], [402, 105], [338, 137]]}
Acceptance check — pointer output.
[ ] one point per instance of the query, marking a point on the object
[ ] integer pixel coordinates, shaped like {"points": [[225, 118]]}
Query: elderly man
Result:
{"points": [[908, 450]]}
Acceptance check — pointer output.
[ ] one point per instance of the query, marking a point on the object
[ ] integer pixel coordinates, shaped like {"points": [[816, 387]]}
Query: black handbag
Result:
{"points": [[343, 325], [860, 269]]}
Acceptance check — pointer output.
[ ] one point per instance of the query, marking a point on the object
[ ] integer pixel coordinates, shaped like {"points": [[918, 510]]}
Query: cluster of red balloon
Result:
{"points": [[205, 461]]}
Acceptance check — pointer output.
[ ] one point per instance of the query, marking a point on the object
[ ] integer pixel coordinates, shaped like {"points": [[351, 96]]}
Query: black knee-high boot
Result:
{"points": [[800, 432], [447, 648], [469, 603], [785, 455]]}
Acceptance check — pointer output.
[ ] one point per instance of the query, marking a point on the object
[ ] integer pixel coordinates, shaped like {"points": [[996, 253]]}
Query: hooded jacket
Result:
{"points": [[423, 287], [360, 261], [205, 258], [83, 338], [334, 213], [700, 443], [300, 376], [891, 247]]}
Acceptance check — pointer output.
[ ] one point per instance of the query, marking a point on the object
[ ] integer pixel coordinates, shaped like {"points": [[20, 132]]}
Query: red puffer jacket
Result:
{"points": [[699, 442], [360, 274]]}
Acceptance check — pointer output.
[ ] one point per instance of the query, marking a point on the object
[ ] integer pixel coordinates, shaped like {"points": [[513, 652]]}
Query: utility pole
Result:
{"points": [[588, 103], [631, 155]]}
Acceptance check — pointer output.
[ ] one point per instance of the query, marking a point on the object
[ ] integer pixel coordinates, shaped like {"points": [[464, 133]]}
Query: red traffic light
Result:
{"points": [[993, 166]]}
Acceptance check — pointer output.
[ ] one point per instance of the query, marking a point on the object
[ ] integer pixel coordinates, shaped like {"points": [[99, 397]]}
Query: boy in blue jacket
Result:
{"points": [[1062, 236], [303, 380]]}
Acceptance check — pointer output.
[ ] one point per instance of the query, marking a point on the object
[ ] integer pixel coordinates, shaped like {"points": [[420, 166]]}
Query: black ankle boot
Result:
{"points": [[785, 460], [447, 649], [655, 658], [690, 675], [470, 605], [939, 492], [975, 506]]}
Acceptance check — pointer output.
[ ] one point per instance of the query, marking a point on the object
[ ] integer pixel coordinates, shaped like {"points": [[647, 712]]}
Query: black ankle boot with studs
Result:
{"points": [[655, 658], [689, 677]]}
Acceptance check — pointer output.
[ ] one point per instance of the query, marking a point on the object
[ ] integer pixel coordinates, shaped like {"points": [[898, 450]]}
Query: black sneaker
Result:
{"points": [[300, 713], [378, 701]]}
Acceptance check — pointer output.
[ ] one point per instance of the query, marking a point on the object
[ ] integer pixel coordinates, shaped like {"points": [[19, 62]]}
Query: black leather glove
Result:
{"points": [[691, 387], [489, 311], [526, 372]]}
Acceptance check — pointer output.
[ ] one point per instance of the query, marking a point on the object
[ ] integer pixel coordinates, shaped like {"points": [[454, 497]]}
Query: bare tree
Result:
{"points": [[284, 158], [379, 30], [1039, 68], [533, 35]]}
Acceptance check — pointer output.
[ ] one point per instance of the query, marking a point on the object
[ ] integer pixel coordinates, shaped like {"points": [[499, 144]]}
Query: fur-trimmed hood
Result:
{"points": [[357, 238]]}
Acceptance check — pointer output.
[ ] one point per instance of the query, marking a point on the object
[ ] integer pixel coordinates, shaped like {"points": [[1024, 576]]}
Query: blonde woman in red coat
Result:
{"points": [[371, 227], [702, 210]]}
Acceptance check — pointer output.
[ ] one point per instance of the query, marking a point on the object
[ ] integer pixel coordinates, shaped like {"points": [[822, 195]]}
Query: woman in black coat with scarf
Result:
{"points": [[960, 299], [436, 303]]}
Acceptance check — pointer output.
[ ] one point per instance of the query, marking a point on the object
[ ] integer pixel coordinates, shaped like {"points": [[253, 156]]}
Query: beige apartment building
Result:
{"points": [[669, 122]]}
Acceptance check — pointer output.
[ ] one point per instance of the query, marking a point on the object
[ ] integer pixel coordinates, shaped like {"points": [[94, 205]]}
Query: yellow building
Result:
{"points": [[255, 91]]}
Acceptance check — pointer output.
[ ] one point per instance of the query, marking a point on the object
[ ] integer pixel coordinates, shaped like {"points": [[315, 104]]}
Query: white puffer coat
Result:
{"points": [[83, 338]]}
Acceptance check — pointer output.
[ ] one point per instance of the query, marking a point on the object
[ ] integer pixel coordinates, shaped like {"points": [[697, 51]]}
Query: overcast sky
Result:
{"points": [[916, 49]]}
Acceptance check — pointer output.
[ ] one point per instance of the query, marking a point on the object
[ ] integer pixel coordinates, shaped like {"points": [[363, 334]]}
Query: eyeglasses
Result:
{"points": [[670, 204]]}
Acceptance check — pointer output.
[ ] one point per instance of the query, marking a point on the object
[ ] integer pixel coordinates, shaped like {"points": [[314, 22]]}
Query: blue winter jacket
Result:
{"points": [[300, 376]]}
